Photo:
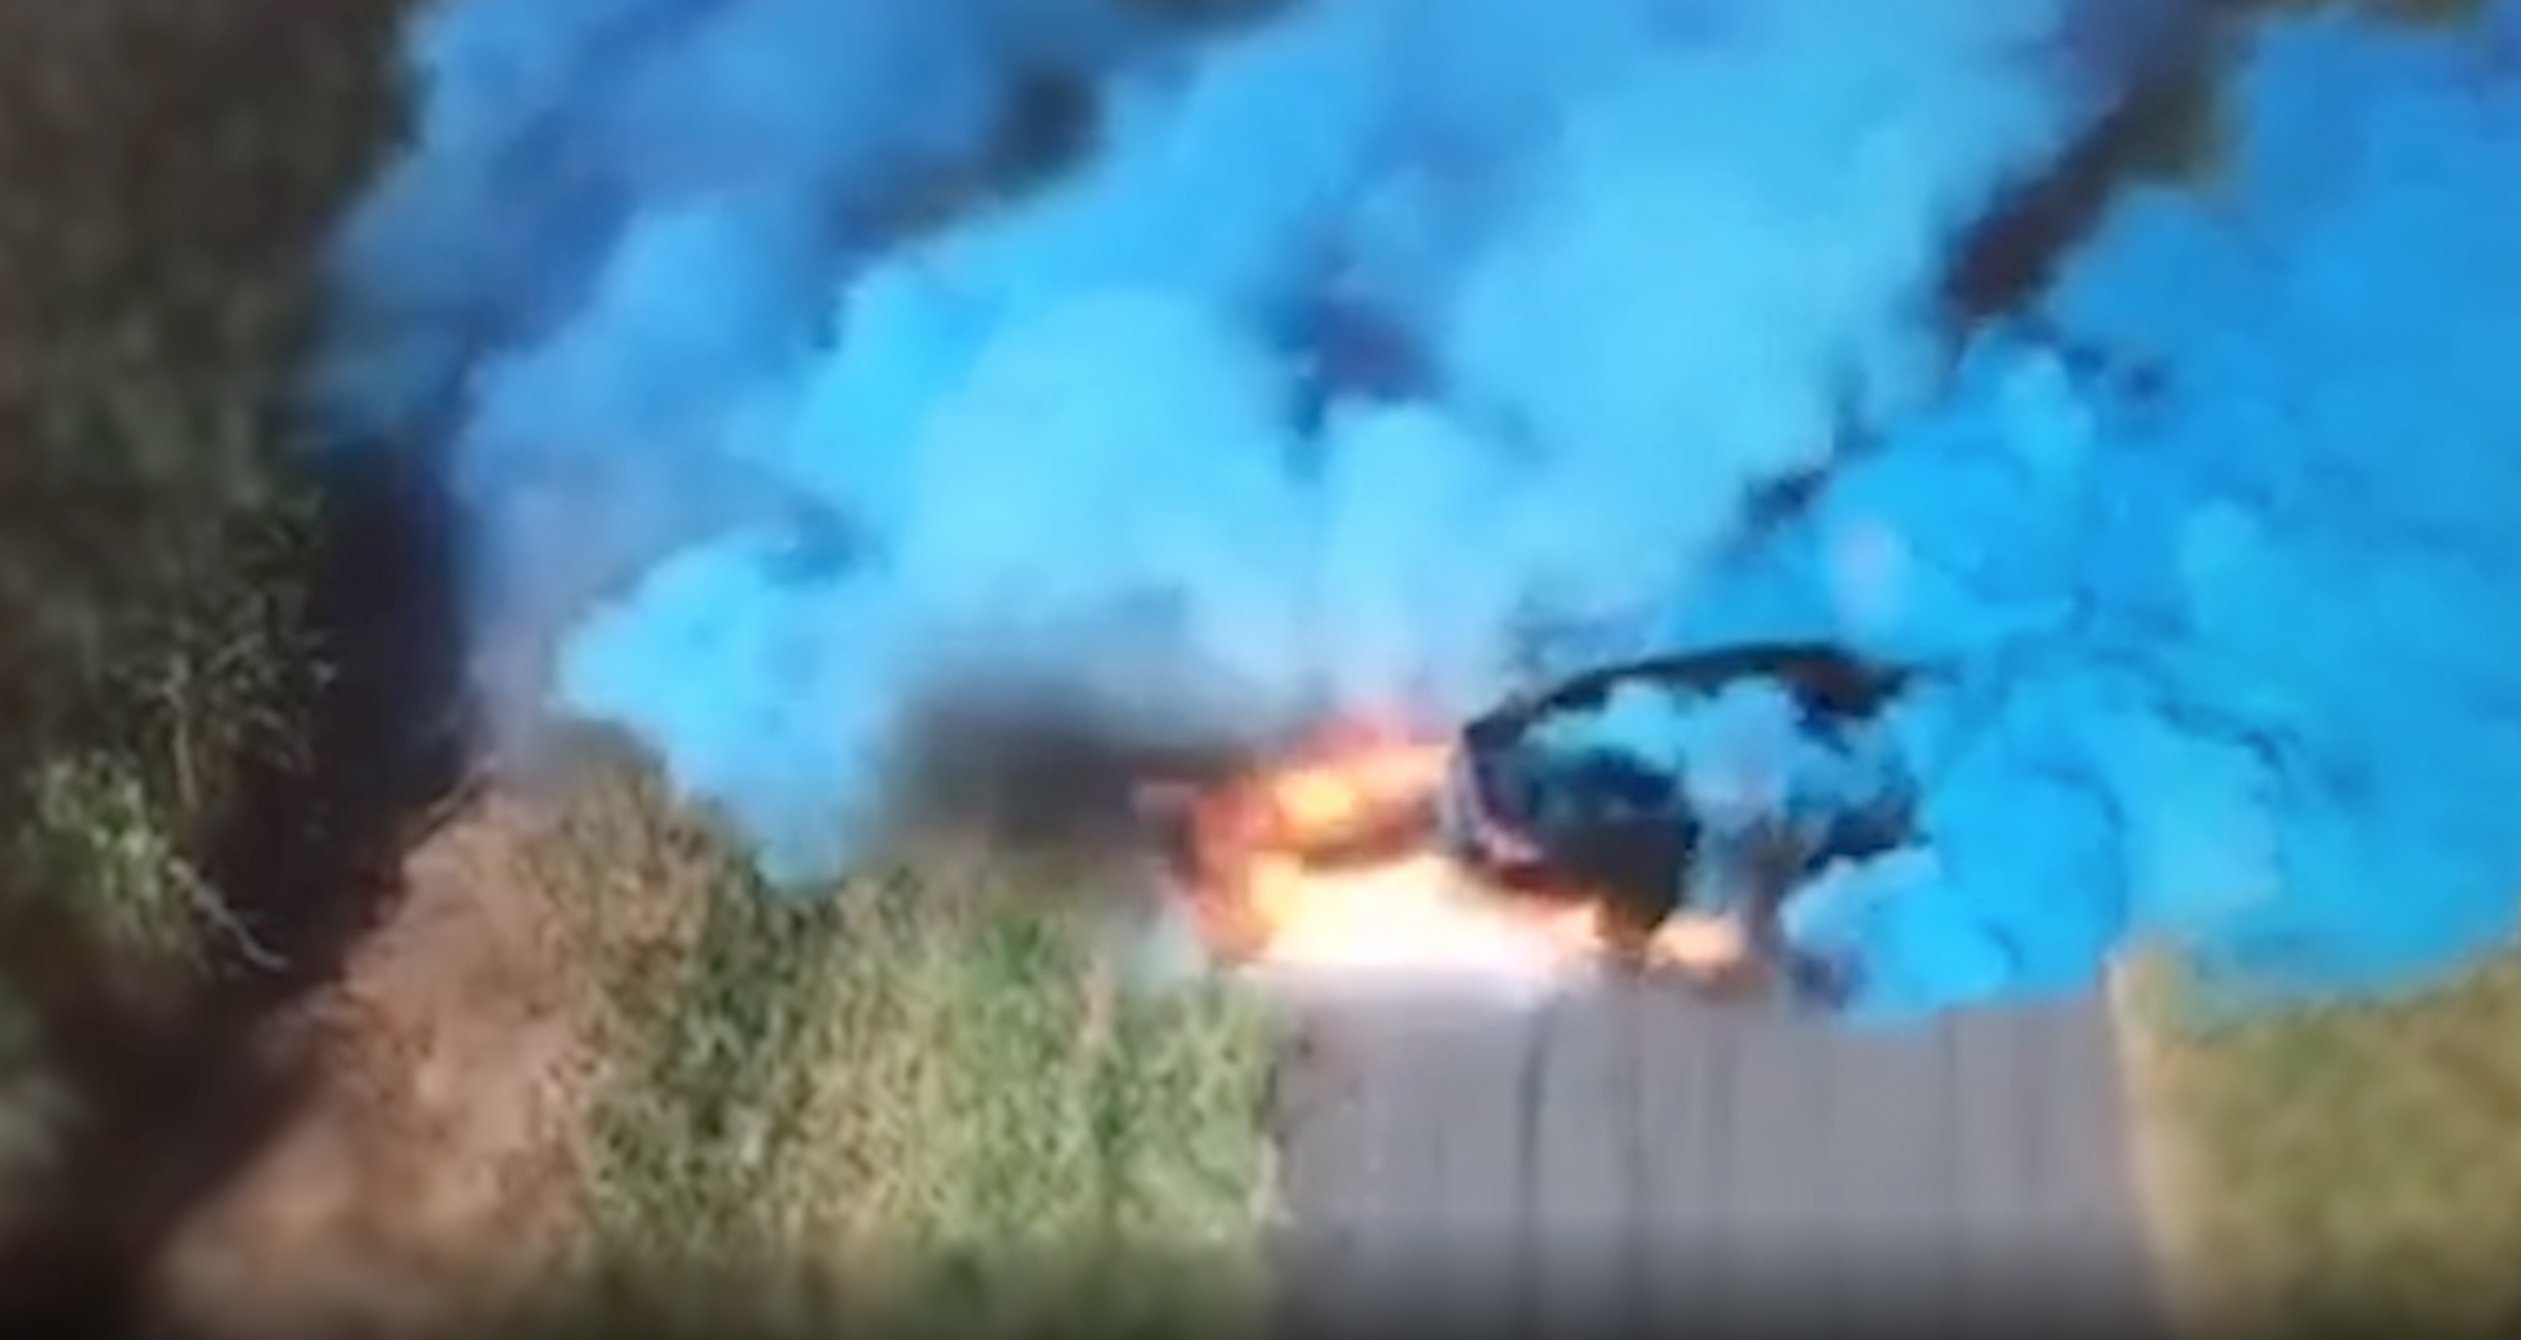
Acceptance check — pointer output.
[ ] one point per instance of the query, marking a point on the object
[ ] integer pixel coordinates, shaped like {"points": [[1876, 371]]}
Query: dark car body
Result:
{"points": [[1618, 831]]}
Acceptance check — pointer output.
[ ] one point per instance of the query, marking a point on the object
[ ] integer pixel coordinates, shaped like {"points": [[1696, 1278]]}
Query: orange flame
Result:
{"points": [[1327, 800], [1332, 861]]}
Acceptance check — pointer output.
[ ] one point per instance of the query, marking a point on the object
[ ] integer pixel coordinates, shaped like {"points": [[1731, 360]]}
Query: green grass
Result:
{"points": [[2350, 1165], [169, 168], [164, 169], [924, 1099]]}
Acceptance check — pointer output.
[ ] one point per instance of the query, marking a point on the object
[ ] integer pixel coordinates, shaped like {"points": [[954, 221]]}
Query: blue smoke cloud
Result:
{"points": [[1334, 358], [2220, 613]]}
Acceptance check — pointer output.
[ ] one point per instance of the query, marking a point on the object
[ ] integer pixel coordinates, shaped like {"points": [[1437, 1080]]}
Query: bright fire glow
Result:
{"points": [[1331, 862], [1343, 788], [1416, 912]]}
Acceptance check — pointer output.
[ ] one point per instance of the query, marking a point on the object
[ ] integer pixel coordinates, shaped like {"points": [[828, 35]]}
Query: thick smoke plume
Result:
{"points": [[792, 359], [2219, 567]]}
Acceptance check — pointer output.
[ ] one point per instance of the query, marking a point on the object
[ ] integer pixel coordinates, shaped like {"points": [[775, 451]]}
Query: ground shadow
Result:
{"points": [[174, 166], [178, 1092]]}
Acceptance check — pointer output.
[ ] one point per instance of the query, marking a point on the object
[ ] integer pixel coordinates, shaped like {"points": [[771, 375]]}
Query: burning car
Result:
{"points": [[1473, 850], [1624, 834]]}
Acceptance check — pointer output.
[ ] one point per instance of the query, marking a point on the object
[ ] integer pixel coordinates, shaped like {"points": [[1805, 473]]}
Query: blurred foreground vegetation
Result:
{"points": [[164, 174]]}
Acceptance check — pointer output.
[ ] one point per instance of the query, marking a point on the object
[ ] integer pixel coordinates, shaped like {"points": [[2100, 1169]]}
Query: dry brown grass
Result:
{"points": [[432, 1168]]}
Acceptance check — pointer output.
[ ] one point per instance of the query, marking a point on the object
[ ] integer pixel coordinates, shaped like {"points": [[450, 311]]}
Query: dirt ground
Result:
{"points": [[440, 1162], [2163, 1162]]}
